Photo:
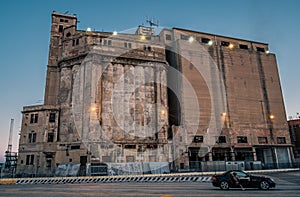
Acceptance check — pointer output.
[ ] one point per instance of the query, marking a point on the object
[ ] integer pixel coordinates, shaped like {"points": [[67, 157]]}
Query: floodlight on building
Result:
{"points": [[191, 39], [267, 52], [162, 112], [88, 29], [143, 37], [231, 46], [115, 33], [210, 42]]}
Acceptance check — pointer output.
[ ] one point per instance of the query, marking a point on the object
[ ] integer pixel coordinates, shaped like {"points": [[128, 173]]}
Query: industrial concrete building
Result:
{"points": [[181, 98], [294, 128]]}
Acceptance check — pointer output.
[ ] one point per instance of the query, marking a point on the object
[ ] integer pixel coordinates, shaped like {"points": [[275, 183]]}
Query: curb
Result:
{"points": [[178, 177]]}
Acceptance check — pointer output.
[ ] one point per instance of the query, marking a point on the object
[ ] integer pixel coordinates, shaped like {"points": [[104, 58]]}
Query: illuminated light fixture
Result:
{"points": [[143, 37], [89, 29], [272, 117], [267, 52], [162, 112], [224, 114], [210, 42], [93, 108], [230, 46], [115, 33], [191, 39]]}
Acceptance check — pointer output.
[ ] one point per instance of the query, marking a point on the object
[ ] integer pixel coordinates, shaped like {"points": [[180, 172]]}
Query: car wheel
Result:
{"points": [[264, 185], [224, 185]]}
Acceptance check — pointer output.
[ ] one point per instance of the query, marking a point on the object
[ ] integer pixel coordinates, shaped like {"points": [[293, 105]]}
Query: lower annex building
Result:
{"points": [[181, 97]]}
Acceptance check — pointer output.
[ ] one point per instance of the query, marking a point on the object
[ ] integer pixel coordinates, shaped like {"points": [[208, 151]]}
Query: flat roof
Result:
{"points": [[193, 31]]}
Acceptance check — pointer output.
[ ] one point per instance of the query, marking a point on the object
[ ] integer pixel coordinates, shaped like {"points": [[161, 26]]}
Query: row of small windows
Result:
{"points": [[35, 117], [63, 20], [32, 137], [240, 139], [223, 43]]}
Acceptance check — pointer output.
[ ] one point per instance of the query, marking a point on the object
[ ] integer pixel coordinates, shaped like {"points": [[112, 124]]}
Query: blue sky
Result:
{"points": [[25, 29]]}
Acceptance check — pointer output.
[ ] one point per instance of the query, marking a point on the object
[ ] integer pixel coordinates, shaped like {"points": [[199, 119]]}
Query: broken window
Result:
{"points": [[281, 140], [259, 49], [130, 146], [32, 137], [29, 159], [127, 45], [198, 139], [225, 44], [262, 140], [60, 28], [184, 37], [221, 139], [75, 147], [168, 37], [50, 137], [242, 139], [243, 46], [52, 117], [205, 40], [34, 118]]}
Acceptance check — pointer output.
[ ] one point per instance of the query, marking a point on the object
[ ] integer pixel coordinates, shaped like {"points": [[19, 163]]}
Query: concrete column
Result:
{"points": [[254, 154]]}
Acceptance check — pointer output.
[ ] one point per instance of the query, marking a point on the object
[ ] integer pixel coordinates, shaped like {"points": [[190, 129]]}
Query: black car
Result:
{"points": [[225, 180]]}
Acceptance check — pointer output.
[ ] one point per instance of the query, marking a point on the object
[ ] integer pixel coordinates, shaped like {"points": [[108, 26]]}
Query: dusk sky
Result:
{"points": [[25, 31]]}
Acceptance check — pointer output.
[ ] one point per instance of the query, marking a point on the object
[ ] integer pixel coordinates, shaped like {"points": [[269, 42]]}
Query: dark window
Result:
{"points": [[226, 44], [151, 146], [262, 140], [205, 40], [140, 148], [184, 37], [34, 118], [259, 49], [32, 137], [168, 37], [127, 45], [68, 34], [66, 21], [29, 159], [242, 139], [50, 137], [198, 139], [61, 20], [60, 28], [221, 139], [48, 163], [75, 147], [130, 146], [109, 42], [281, 140], [77, 41], [52, 117], [149, 48], [243, 46]]}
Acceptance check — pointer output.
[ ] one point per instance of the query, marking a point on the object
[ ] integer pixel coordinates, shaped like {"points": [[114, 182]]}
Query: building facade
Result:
{"points": [[294, 128], [181, 97]]}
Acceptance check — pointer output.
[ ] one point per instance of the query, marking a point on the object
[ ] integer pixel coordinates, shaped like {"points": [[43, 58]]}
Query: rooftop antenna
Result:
{"points": [[66, 12], [152, 22]]}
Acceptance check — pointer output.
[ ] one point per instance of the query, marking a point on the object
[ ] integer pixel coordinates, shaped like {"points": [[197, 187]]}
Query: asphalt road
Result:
{"points": [[288, 184]]}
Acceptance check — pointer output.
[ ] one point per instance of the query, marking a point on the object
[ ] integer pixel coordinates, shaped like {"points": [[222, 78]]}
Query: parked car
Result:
{"points": [[224, 181]]}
